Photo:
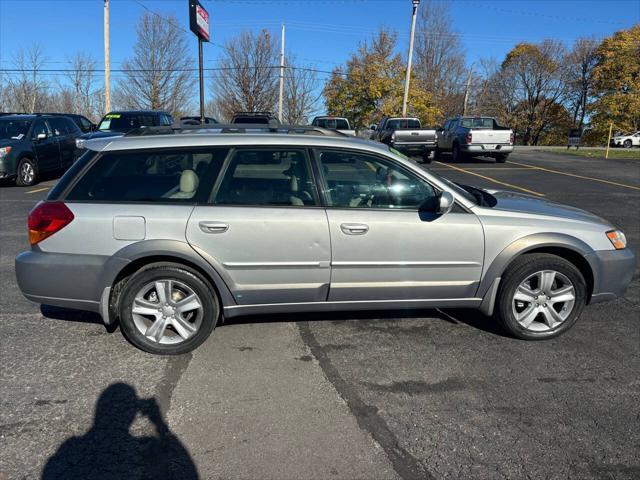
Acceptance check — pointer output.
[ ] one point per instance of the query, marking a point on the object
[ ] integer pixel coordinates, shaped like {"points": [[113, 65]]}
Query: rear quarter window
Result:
{"points": [[176, 175]]}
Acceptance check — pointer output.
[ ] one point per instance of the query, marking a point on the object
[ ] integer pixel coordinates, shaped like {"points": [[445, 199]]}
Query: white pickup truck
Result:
{"points": [[475, 136], [334, 123]]}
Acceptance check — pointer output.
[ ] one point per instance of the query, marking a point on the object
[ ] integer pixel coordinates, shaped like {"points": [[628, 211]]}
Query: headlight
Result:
{"points": [[79, 142], [617, 239], [4, 151]]}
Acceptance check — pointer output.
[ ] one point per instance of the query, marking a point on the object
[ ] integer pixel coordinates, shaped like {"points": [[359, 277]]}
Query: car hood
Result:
{"points": [[101, 134], [9, 142], [520, 202]]}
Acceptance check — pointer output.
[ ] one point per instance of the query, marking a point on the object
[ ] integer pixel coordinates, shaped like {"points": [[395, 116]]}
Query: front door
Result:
{"points": [[264, 228], [47, 149], [383, 247]]}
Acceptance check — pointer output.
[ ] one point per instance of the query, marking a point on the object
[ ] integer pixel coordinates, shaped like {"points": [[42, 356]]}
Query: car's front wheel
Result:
{"points": [[540, 296], [627, 144], [26, 176], [167, 309]]}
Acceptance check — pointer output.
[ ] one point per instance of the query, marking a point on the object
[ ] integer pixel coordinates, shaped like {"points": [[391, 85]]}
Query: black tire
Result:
{"points": [[185, 276], [426, 157], [437, 154], [456, 154], [501, 158], [23, 179], [524, 267], [627, 144]]}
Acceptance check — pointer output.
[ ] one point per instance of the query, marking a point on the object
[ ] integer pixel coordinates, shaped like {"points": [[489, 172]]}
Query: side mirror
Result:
{"points": [[41, 136], [446, 202]]}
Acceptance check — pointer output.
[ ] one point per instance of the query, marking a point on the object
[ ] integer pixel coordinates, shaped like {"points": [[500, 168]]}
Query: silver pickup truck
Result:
{"points": [[407, 135], [475, 136]]}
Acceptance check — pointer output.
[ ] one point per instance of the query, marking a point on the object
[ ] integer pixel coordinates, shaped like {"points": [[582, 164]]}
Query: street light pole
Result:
{"points": [[281, 75], [408, 78], [107, 60]]}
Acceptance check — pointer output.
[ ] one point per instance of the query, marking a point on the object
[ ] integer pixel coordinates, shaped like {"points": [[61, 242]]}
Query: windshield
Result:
{"points": [[400, 123], [253, 120], [14, 129], [123, 122], [478, 123], [333, 123]]}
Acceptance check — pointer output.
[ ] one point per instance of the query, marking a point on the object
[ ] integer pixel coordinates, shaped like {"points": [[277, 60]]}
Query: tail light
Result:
{"points": [[469, 137], [46, 219], [511, 138]]}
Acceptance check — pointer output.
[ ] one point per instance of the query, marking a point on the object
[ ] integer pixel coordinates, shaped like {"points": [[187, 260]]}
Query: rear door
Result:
{"points": [[65, 131], [264, 228], [383, 247], [47, 149]]}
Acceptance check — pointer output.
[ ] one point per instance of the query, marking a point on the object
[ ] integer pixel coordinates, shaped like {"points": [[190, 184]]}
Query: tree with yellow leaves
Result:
{"points": [[372, 86]]}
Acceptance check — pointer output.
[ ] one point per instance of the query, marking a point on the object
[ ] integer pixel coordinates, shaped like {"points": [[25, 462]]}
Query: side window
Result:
{"points": [[86, 124], [360, 180], [59, 126], [165, 120], [270, 176], [72, 127], [158, 176], [40, 127]]}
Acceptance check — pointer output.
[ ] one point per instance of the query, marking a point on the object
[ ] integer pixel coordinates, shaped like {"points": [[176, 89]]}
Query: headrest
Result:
{"points": [[188, 181]]}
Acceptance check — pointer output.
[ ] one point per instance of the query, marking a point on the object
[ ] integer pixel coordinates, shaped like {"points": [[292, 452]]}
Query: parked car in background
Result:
{"points": [[84, 124], [255, 118], [626, 140], [193, 228], [196, 120], [115, 124], [475, 136], [340, 124], [34, 144], [407, 135]]}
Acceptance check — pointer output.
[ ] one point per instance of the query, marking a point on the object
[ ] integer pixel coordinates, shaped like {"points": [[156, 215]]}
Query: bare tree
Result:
{"points": [[158, 75], [301, 95], [82, 78], [440, 57], [581, 61], [248, 77], [28, 89]]}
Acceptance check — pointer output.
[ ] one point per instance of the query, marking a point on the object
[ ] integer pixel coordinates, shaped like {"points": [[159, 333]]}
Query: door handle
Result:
{"points": [[354, 228], [213, 227]]}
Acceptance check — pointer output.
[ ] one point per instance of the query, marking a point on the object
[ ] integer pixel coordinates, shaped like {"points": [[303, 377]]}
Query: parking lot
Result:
{"points": [[420, 394]]}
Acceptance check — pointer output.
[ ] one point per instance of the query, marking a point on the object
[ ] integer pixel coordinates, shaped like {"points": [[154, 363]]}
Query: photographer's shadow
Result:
{"points": [[109, 451]]}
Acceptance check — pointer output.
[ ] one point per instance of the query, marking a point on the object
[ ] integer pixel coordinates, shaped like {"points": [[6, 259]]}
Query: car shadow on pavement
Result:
{"points": [[109, 451], [71, 315], [469, 317]]}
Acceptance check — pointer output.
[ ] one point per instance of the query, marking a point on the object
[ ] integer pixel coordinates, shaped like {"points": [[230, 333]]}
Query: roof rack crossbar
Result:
{"points": [[235, 128]]}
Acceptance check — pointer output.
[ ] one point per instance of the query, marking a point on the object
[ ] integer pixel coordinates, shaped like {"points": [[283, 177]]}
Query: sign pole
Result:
{"points": [[281, 75], [201, 81], [606, 155], [107, 60], [408, 78]]}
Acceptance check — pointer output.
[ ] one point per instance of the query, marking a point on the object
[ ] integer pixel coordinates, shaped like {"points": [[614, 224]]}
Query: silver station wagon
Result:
{"points": [[171, 231]]}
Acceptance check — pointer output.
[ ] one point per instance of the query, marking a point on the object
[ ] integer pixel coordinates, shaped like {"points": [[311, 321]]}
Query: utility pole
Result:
{"points": [[281, 75], [107, 60], [408, 78], [201, 77], [466, 90]]}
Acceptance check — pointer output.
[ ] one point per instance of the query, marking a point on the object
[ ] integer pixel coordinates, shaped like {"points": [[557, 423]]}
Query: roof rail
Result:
{"points": [[236, 128]]}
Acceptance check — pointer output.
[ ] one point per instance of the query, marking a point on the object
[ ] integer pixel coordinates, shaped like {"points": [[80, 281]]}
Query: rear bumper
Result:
{"points": [[479, 149], [612, 273], [62, 279], [414, 147]]}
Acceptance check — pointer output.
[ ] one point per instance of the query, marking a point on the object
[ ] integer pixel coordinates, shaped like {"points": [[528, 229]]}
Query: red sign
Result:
{"points": [[199, 20]]}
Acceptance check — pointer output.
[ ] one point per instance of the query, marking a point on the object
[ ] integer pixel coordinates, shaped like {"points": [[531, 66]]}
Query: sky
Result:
{"points": [[322, 33]]}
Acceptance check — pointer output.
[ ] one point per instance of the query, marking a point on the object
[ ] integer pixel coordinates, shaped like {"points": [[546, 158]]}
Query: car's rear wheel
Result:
{"points": [[167, 309], [541, 296], [627, 144], [456, 153], [26, 175], [501, 158]]}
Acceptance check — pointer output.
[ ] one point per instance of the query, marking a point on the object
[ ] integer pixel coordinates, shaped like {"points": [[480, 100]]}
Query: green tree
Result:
{"points": [[371, 85], [616, 79]]}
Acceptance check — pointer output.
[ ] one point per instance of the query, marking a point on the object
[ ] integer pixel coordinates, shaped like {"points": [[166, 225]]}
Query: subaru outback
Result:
{"points": [[168, 234]]}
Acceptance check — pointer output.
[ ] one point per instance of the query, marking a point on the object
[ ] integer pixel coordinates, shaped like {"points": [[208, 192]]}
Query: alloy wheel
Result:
{"points": [[543, 301], [167, 311], [27, 173]]}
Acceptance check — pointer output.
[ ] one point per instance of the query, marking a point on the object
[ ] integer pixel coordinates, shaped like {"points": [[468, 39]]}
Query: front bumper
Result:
{"points": [[612, 273], [481, 150]]}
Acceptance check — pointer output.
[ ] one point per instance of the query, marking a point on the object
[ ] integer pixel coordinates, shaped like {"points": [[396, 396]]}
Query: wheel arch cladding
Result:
{"points": [[132, 258], [565, 246]]}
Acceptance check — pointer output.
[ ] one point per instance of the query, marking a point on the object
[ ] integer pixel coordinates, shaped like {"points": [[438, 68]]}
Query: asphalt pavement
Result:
{"points": [[409, 395]]}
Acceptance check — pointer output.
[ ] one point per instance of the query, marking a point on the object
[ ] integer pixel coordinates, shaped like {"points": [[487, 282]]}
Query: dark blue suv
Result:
{"points": [[34, 144]]}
